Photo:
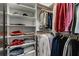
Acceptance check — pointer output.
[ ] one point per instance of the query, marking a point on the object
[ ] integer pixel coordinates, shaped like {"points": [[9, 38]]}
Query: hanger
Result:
{"points": [[74, 36]]}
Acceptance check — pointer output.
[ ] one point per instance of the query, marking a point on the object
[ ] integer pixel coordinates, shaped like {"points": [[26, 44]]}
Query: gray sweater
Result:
{"points": [[67, 51]]}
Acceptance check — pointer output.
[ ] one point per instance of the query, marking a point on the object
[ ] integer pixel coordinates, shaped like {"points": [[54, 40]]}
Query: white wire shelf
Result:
{"points": [[23, 25], [27, 53], [18, 25], [19, 36], [17, 15], [21, 7], [28, 49], [21, 54], [21, 16], [1, 37]]}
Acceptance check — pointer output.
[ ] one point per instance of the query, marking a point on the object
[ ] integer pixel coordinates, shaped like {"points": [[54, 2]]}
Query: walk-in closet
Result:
{"points": [[39, 29]]}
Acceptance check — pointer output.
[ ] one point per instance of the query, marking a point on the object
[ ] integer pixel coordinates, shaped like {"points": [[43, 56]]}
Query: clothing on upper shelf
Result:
{"points": [[14, 33]]}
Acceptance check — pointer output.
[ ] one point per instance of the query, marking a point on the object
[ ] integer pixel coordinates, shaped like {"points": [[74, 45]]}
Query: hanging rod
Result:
{"points": [[68, 33], [42, 32]]}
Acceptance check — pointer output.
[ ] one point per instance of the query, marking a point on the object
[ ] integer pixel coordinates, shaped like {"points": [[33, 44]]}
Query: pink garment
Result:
{"points": [[69, 17]]}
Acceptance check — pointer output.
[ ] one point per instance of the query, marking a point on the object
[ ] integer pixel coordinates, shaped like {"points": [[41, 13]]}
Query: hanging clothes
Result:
{"points": [[62, 43], [71, 48], [69, 17], [75, 47], [54, 16], [50, 37], [74, 19], [76, 23], [43, 19], [50, 20], [55, 46], [64, 14], [67, 51], [58, 46], [44, 45], [60, 16]]}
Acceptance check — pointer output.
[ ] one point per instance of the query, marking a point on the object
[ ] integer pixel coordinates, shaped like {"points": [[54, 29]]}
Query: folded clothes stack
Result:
{"points": [[19, 50], [1, 34], [16, 51], [14, 33], [17, 42]]}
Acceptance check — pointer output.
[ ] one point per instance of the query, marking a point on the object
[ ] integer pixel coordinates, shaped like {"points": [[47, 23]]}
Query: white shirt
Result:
{"points": [[44, 45]]}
